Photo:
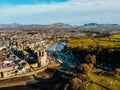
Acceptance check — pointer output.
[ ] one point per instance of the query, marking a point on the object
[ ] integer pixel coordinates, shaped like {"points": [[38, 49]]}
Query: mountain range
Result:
{"points": [[59, 25]]}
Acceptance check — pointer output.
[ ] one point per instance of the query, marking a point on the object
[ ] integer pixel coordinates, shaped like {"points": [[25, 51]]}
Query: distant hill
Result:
{"points": [[92, 24], [15, 26], [101, 26], [59, 25]]}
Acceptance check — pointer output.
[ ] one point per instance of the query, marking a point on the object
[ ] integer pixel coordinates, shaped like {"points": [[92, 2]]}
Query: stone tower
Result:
{"points": [[42, 58]]}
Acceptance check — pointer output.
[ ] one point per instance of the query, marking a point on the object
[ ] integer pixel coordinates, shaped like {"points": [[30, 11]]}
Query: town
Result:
{"points": [[29, 53]]}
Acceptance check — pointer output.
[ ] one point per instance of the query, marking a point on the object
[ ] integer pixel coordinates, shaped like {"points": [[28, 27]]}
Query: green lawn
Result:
{"points": [[101, 82], [113, 41]]}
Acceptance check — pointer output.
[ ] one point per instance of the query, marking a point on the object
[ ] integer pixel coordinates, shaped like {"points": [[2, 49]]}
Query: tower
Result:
{"points": [[42, 58]]}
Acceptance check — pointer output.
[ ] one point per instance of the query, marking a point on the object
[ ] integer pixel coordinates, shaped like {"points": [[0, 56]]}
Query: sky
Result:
{"points": [[73, 12]]}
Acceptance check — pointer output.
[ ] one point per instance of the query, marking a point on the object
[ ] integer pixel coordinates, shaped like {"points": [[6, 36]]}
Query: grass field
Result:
{"points": [[113, 41], [101, 82]]}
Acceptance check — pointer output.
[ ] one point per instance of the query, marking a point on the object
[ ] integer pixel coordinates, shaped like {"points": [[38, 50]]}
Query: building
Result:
{"points": [[42, 58]]}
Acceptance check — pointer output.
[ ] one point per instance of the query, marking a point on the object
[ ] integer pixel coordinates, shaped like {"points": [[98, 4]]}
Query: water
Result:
{"points": [[57, 46], [65, 58]]}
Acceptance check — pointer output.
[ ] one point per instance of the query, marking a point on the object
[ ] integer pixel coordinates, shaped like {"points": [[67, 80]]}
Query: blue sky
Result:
{"points": [[21, 2], [74, 12]]}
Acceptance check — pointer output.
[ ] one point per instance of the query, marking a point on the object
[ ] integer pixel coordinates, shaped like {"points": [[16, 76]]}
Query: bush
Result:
{"points": [[117, 71]]}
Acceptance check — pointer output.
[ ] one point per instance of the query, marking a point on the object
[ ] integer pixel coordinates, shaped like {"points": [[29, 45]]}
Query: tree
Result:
{"points": [[117, 71], [90, 59], [84, 68], [93, 59], [77, 84]]}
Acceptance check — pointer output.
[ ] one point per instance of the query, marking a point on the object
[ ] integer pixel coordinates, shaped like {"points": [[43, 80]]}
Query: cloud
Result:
{"points": [[72, 12]]}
